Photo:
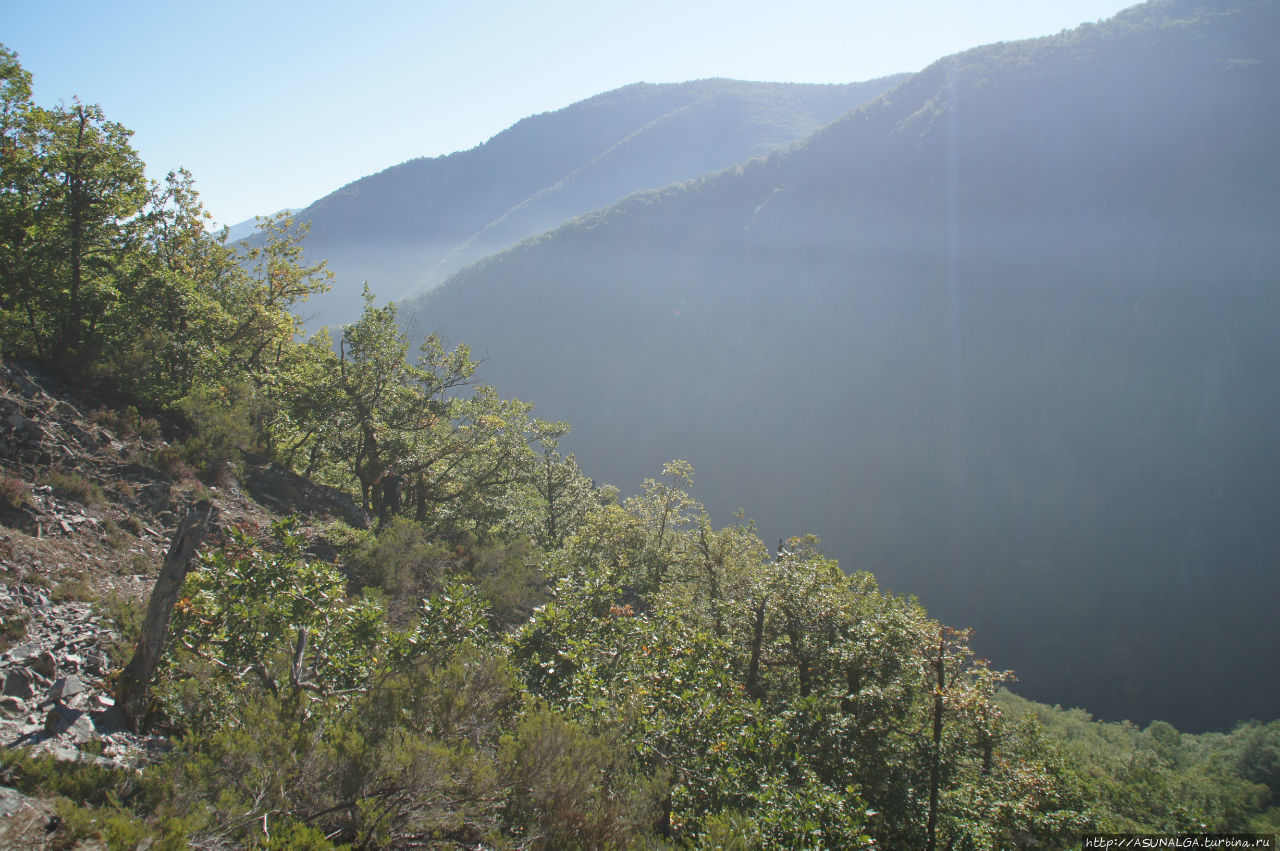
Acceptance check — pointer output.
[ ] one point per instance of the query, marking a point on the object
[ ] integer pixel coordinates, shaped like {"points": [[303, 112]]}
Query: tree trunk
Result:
{"points": [[134, 687], [935, 767], [798, 654], [754, 691]]}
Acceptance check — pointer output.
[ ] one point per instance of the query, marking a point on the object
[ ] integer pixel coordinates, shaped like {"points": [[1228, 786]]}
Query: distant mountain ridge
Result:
{"points": [[246, 228], [412, 225], [1003, 336]]}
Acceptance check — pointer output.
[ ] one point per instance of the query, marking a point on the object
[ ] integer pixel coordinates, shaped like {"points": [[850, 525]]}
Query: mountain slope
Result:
{"points": [[414, 224], [1007, 327]]}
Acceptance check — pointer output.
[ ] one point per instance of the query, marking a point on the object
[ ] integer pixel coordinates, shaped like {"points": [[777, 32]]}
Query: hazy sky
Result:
{"points": [[275, 103]]}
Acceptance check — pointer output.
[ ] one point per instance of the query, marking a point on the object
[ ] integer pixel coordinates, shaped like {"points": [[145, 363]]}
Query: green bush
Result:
{"points": [[14, 493], [401, 561], [13, 628], [172, 460], [126, 423], [85, 783], [225, 423], [72, 485], [75, 588], [573, 789], [126, 615], [510, 577]]}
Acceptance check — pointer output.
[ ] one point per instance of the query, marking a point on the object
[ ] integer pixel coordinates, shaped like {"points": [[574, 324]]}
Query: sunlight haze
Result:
{"points": [[275, 105]]}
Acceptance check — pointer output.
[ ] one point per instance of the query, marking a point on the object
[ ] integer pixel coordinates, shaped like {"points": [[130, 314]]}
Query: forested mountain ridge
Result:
{"points": [[1000, 336], [456, 638], [413, 224]]}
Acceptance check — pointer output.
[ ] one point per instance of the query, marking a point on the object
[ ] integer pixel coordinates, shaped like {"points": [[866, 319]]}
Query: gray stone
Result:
{"points": [[97, 663], [62, 718], [13, 802], [19, 683], [69, 754], [22, 651], [33, 597], [81, 729], [44, 664], [18, 422], [65, 688]]}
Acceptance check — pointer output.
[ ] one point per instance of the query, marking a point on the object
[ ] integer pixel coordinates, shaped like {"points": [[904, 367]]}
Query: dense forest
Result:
{"points": [[1002, 336], [493, 650]]}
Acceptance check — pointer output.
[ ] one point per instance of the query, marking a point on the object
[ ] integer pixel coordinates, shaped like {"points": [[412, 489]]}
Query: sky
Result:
{"points": [[276, 104]]}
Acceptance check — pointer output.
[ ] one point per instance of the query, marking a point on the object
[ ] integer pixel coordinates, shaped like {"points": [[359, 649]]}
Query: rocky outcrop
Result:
{"points": [[93, 519], [56, 697]]}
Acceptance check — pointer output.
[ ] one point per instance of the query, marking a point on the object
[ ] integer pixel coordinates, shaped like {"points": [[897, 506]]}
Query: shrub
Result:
{"points": [[75, 589], [115, 535], [401, 561], [510, 577], [575, 789], [223, 422], [123, 423], [149, 429], [127, 423], [98, 806], [13, 628], [126, 614], [172, 460], [72, 485], [14, 493]]}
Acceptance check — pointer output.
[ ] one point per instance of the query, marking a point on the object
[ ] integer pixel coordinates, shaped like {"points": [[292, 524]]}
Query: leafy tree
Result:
{"points": [[563, 494], [165, 332], [73, 189], [387, 404], [261, 294], [279, 619]]}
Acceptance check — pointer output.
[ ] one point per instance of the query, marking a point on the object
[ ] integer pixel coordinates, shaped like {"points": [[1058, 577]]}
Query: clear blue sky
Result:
{"points": [[275, 103]]}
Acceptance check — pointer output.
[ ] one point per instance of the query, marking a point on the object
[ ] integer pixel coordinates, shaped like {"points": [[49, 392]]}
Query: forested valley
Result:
{"points": [[1001, 336], [440, 631]]}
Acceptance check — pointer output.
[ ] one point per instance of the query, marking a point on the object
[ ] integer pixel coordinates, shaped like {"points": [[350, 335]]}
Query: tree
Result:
{"points": [[268, 616], [563, 494], [72, 191], [88, 194], [133, 687], [164, 335], [261, 292], [389, 405], [18, 172]]}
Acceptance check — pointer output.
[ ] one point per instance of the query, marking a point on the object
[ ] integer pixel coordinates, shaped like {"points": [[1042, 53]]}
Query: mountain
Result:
{"points": [[246, 228], [1004, 336], [411, 225]]}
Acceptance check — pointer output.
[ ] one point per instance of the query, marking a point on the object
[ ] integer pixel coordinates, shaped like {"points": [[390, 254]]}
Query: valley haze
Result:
{"points": [[1000, 336], [988, 349]]}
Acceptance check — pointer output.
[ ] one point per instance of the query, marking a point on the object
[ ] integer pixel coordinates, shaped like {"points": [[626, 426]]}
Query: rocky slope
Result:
{"points": [[86, 513]]}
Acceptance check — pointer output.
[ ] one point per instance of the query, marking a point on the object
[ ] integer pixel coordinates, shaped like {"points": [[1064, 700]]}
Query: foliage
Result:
{"points": [[127, 422], [13, 628], [14, 493], [401, 561], [276, 617], [1158, 780], [512, 657], [937, 332], [73, 485], [226, 422]]}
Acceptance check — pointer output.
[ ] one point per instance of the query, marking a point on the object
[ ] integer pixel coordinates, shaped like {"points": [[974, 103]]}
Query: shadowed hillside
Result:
{"points": [[1003, 337]]}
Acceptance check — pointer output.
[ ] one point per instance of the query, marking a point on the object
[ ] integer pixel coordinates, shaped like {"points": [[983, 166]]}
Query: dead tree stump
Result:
{"points": [[133, 689]]}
